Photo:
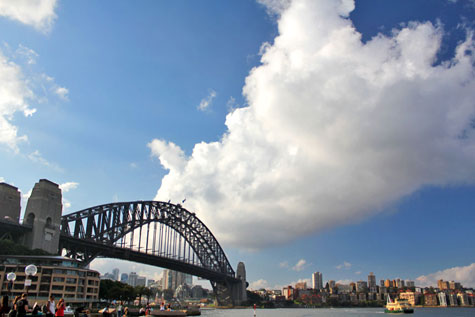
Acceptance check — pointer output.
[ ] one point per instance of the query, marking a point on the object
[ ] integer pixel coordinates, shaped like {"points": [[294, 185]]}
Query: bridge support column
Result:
{"points": [[43, 213], [9, 203], [232, 293]]}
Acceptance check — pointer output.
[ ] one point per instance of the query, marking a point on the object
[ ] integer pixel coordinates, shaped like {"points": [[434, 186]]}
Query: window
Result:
{"points": [[58, 279], [57, 287], [70, 289], [47, 271], [71, 280]]}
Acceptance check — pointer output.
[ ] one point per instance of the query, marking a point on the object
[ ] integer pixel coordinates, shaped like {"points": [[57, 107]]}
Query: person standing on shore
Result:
{"points": [[22, 306], [119, 310], [4, 309], [60, 308], [51, 307]]}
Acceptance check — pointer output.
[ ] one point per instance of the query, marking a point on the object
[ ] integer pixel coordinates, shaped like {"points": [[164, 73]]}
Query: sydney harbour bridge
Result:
{"points": [[156, 233]]}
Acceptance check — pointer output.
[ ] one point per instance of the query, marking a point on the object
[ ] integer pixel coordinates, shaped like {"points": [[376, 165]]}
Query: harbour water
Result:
{"points": [[335, 312]]}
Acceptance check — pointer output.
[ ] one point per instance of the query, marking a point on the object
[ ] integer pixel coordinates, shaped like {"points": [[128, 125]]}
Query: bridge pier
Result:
{"points": [[43, 214], [232, 293]]}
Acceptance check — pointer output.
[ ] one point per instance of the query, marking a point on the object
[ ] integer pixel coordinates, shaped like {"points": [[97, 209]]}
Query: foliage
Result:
{"points": [[253, 298], [143, 291], [8, 247], [113, 290]]}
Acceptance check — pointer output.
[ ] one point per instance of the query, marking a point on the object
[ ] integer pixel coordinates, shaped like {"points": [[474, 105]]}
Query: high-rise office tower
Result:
{"points": [[132, 279], [115, 272], [372, 283], [317, 281]]}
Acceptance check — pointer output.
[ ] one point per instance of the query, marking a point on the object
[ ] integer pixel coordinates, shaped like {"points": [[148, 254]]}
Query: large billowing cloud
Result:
{"points": [[14, 97], [462, 274], [19, 88], [335, 130], [37, 13]]}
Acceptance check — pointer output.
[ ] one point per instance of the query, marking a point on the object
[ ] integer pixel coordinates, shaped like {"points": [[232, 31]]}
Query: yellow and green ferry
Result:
{"points": [[398, 306]]}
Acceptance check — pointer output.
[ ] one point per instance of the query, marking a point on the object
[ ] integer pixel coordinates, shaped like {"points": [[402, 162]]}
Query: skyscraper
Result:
{"points": [[173, 279], [372, 283], [124, 277], [317, 281], [115, 272], [132, 279]]}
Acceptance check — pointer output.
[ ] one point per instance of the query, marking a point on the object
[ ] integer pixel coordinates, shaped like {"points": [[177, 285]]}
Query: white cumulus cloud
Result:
{"points": [[66, 187], [206, 102], [259, 284], [300, 265], [14, 97], [463, 274], [62, 92], [37, 13], [284, 265], [345, 265], [334, 131]]}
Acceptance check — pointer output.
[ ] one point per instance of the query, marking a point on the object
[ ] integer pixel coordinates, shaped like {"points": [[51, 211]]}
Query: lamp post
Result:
{"points": [[11, 277], [30, 270]]}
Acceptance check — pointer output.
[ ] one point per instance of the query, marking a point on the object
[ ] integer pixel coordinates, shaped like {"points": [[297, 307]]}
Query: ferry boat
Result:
{"points": [[398, 306]]}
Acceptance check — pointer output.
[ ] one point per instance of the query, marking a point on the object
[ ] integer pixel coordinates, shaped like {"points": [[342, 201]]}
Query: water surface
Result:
{"points": [[334, 312]]}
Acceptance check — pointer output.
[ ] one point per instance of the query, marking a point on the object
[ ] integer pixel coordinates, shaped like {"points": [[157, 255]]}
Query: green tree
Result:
{"points": [[8, 247], [113, 290]]}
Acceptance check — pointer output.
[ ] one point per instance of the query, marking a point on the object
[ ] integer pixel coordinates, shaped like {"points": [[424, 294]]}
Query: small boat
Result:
{"points": [[398, 306]]}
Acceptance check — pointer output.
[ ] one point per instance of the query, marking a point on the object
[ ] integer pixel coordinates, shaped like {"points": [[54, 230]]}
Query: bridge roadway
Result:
{"points": [[108, 251]]}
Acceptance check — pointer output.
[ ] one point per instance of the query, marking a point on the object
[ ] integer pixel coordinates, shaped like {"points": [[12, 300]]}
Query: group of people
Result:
{"points": [[20, 307]]}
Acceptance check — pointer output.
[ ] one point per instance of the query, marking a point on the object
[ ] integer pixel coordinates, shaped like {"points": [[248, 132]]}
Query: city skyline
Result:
{"points": [[329, 136]]}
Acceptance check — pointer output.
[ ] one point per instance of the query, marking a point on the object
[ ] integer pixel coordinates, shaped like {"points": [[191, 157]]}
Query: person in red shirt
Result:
{"points": [[60, 308]]}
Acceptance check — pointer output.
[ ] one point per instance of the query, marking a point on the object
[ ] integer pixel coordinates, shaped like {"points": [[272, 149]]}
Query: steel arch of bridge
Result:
{"points": [[177, 237]]}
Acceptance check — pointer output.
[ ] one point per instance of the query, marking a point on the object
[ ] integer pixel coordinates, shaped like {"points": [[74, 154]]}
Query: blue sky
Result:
{"points": [[331, 136]]}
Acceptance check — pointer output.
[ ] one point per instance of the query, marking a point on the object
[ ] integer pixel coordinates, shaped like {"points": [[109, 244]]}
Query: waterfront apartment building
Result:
{"points": [[361, 287], [446, 285], [413, 298], [388, 283], [58, 276], [430, 299], [317, 280], [442, 285], [288, 292]]}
